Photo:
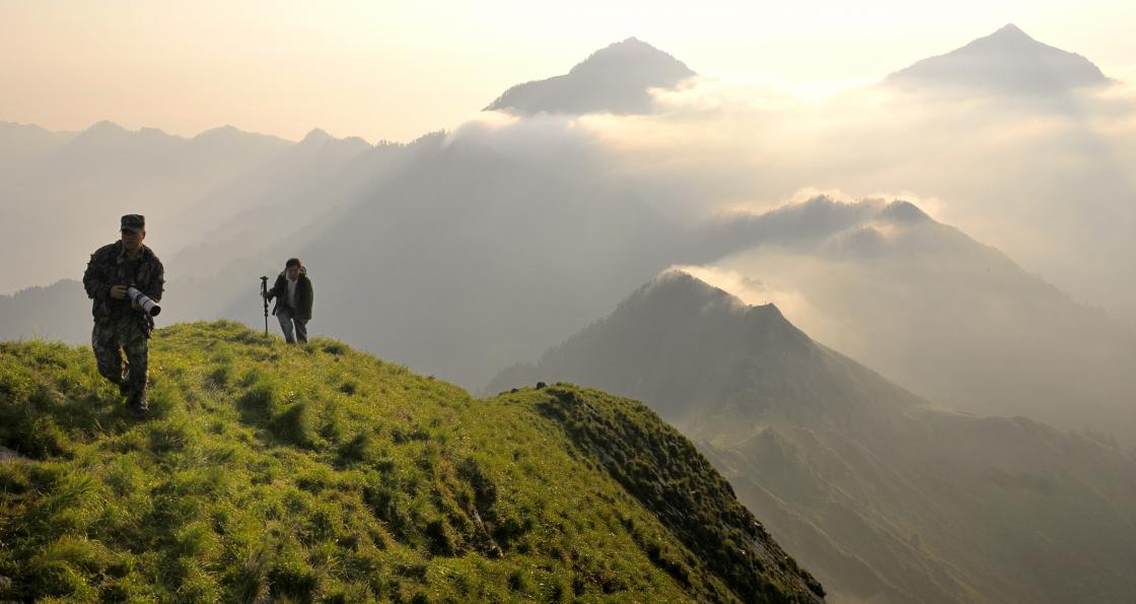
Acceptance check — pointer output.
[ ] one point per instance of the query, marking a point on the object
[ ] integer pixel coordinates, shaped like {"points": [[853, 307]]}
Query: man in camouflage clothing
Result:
{"points": [[119, 324]]}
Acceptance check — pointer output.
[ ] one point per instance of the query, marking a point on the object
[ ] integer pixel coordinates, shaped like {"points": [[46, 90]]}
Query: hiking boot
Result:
{"points": [[138, 406]]}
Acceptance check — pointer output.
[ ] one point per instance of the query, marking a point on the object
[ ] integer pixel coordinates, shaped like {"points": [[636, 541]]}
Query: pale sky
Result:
{"points": [[395, 70]]}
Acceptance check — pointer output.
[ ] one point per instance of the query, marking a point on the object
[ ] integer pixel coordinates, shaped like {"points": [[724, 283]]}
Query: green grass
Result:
{"points": [[320, 474]]}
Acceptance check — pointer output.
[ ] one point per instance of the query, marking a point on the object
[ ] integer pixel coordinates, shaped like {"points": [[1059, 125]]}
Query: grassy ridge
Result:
{"points": [[321, 474], [666, 473]]}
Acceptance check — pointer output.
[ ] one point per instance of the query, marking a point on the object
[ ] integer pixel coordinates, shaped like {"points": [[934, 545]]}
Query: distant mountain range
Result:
{"points": [[75, 186], [60, 311], [938, 312], [22, 141], [1007, 62], [446, 239], [616, 79], [69, 181], [886, 498], [444, 232]]}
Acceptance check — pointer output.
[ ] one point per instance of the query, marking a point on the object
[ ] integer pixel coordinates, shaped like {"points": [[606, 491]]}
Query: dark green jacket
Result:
{"points": [[304, 296], [109, 266]]}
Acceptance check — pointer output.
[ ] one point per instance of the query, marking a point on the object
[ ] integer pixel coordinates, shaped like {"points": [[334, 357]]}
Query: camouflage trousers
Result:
{"points": [[110, 338]]}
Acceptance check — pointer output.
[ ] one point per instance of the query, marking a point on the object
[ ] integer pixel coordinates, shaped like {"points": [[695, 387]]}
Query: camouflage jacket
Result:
{"points": [[109, 266]]}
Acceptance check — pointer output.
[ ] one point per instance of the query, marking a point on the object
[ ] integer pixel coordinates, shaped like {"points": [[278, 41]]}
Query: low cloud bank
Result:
{"points": [[1048, 181]]}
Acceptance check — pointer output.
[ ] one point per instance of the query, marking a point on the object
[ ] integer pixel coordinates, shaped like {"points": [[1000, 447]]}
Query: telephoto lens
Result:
{"points": [[143, 301]]}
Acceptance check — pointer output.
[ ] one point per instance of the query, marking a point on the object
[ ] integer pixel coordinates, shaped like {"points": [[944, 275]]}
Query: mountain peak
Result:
{"points": [[632, 52], [1010, 30], [228, 131], [676, 285], [678, 340], [676, 279], [615, 79], [1006, 62], [316, 135], [676, 294], [903, 211], [104, 127], [630, 42], [1009, 39], [106, 132]]}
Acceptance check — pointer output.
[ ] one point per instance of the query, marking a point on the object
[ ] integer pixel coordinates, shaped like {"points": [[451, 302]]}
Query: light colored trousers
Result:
{"points": [[286, 325]]}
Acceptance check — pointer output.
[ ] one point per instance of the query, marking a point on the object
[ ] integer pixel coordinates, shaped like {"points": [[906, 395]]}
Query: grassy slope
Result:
{"points": [[322, 474]]}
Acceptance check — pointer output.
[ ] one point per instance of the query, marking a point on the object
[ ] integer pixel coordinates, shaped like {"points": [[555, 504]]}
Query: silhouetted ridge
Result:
{"points": [[615, 79], [106, 133]]}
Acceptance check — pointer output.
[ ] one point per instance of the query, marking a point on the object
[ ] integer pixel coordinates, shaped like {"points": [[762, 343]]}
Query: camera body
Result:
{"points": [[141, 300]]}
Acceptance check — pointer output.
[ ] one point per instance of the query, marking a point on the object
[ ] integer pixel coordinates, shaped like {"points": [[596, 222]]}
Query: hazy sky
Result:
{"points": [[394, 70]]}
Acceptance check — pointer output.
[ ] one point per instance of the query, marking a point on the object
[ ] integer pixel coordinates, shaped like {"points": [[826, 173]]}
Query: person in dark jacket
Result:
{"points": [[120, 324], [294, 296]]}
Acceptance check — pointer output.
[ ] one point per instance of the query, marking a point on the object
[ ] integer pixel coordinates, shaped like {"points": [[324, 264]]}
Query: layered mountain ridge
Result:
{"points": [[885, 496], [947, 316]]}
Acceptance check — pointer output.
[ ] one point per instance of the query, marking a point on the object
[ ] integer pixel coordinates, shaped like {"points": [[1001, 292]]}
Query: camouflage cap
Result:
{"points": [[134, 222]]}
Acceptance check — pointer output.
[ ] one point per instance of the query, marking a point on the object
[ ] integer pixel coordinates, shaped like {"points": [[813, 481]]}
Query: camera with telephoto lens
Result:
{"points": [[143, 301]]}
